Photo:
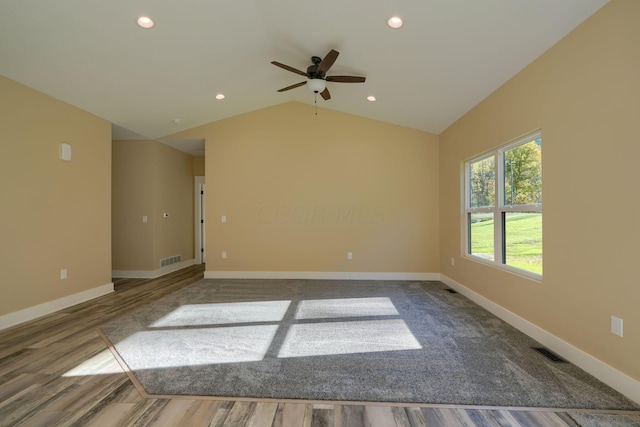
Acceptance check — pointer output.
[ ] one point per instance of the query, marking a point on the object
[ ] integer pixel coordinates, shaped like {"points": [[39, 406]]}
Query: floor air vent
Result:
{"points": [[549, 354], [170, 260], [451, 291]]}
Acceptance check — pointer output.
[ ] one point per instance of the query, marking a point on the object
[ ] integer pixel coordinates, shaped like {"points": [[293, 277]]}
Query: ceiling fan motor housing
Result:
{"points": [[312, 71]]}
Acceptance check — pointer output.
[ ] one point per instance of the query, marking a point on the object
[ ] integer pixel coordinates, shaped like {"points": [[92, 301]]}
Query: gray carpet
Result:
{"points": [[410, 342]]}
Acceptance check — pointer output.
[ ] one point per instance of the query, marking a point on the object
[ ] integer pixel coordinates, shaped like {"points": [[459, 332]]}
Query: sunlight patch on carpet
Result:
{"points": [[345, 307], [194, 347], [224, 313], [323, 339]]}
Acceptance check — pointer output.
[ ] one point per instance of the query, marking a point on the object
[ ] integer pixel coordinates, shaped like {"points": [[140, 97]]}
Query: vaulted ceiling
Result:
{"points": [[448, 56]]}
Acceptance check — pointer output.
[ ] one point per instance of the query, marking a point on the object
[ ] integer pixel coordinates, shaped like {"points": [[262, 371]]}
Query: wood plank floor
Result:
{"points": [[57, 371]]}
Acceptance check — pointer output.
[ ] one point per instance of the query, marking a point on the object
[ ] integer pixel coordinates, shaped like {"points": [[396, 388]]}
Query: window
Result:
{"points": [[503, 205]]}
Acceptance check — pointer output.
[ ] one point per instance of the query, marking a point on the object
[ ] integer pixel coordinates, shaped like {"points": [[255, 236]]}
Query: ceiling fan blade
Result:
{"points": [[293, 86], [346, 79], [327, 62], [325, 94], [286, 67]]}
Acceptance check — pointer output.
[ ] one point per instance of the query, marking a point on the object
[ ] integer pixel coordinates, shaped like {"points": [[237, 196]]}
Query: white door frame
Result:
{"points": [[199, 235]]}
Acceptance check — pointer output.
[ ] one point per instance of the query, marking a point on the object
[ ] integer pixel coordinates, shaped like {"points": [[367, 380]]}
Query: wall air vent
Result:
{"points": [[170, 260]]}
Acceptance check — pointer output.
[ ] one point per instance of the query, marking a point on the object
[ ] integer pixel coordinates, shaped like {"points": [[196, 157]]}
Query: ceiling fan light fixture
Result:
{"points": [[316, 85], [145, 22], [395, 22]]}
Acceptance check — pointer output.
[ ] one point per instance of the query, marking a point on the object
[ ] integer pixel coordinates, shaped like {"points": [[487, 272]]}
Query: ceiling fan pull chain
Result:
{"points": [[315, 101]]}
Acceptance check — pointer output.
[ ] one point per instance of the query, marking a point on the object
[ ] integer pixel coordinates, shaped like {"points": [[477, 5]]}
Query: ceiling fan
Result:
{"points": [[316, 75]]}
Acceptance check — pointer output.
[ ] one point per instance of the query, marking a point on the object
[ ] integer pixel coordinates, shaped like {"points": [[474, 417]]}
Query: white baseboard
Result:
{"points": [[324, 275], [31, 313], [605, 373], [151, 274]]}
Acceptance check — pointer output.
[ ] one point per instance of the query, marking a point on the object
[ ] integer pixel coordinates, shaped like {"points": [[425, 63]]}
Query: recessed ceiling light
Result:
{"points": [[220, 96], [371, 98], [145, 22], [395, 22]]}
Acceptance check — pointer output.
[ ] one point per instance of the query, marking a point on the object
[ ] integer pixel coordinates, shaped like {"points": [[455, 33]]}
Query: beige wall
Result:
{"points": [[583, 93], [198, 166], [54, 214], [132, 198], [149, 179], [173, 193], [300, 191]]}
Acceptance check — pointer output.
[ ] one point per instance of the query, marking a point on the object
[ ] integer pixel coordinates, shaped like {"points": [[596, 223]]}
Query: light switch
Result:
{"points": [[223, 218], [145, 219]]}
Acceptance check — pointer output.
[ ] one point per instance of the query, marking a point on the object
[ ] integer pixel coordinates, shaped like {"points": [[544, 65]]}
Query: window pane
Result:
{"points": [[482, 187], [523, 174], [523, 240], [481, 235]]}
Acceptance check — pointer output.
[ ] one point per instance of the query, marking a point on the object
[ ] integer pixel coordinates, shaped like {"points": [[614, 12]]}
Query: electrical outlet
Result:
{"points": [[453, 261], [223, 255], [63, 274], [616, 326], [349, 255], [145, 219], [223, 218]]}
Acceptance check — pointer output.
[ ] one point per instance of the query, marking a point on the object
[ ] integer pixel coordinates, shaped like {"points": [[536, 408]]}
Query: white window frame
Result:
{"points": [[498, 209]]}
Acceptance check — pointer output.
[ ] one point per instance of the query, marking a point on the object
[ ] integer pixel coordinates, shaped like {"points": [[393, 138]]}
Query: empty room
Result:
{"points": [[328, 213]]}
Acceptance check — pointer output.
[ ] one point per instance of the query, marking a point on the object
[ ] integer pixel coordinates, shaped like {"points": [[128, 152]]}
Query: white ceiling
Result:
{"points": [[449, 55]]}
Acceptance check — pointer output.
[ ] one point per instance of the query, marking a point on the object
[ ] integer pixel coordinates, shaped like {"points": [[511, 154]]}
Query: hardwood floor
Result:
{"points": [[57, 371]]}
